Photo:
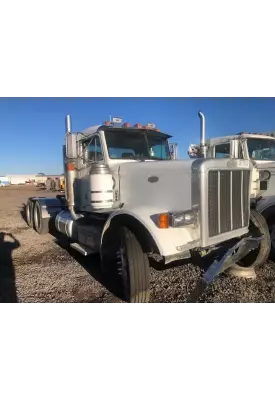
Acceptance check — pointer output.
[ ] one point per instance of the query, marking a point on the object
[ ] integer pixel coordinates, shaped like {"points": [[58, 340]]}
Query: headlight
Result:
{"points": [[182, 218], [264, 175]]}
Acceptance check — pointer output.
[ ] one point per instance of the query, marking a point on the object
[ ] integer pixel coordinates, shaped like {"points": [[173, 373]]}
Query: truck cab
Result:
{"points": [[108, 147]]}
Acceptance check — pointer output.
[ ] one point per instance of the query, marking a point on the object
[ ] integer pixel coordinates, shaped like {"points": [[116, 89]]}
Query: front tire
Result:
{"points": [[272, 237], [269, 216], [122, 253]]}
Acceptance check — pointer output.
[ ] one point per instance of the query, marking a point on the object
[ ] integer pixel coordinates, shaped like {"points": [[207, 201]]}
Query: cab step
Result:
{"points": [[84, 250]]}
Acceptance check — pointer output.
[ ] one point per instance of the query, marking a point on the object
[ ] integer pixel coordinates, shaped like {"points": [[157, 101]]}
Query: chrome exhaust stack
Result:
{"points": [[71, 155], [203, 137], [68, 124]]}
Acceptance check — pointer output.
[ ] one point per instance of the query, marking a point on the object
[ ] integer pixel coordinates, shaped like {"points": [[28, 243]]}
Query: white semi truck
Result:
{"points": [[129, 200], [260, 149]]}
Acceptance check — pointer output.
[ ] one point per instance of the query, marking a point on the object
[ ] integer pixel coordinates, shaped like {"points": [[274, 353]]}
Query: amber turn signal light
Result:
{"points": [[163, 221]]}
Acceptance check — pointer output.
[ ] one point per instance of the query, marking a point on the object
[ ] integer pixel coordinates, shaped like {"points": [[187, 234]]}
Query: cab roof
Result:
{"points": [[96, 128], [243, 135]]}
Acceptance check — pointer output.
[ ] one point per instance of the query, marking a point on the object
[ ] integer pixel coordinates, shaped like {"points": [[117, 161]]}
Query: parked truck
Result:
{"points": [[260, 149], [127, 199], [62, 183]]}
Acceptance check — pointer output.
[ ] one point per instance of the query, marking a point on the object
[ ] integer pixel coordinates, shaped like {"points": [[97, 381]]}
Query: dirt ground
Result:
{"points": [[36, 268]]}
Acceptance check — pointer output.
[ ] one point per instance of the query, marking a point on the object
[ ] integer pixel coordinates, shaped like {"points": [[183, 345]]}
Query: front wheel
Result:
{"points": [[122, 253], [272, 237]]}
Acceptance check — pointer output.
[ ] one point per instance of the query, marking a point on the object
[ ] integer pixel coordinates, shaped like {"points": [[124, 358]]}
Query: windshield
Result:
{"points": [[129, 145], [261, 149]]}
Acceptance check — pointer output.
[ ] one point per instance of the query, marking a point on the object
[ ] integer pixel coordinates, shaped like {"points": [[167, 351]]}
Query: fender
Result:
{"points": [[169, 242], [265, 203], [49, 205]]}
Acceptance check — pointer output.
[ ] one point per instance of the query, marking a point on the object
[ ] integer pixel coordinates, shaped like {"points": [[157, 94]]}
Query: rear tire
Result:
{"points": [[258, 226], [122, 253], [41, 225], [29, 213]]}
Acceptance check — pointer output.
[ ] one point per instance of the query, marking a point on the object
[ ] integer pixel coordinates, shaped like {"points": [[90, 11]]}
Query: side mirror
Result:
{"points": [[71, 146]]}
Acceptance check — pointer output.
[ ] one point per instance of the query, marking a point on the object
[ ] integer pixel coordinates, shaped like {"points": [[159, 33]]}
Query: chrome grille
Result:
{"points": [[228, 200]]}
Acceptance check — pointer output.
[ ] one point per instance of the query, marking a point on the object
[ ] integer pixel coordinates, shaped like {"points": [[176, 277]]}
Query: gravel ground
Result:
{"points": [[36, 268]]}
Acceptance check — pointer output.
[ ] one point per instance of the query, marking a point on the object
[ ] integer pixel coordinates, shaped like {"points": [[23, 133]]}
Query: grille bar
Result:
{"points": [[219, 201], [228, 202], [213, 207]]}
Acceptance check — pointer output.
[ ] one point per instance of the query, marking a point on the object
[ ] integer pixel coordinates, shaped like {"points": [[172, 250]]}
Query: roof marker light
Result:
{"points": [[116, 120], [150, 126]]}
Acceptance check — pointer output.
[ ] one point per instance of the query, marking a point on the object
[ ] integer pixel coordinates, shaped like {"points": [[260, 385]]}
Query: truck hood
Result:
{"points": [[165, 184], [265, 164]]}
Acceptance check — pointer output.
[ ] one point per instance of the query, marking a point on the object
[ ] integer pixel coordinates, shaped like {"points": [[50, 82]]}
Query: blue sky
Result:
{"points": [[32, 129]]}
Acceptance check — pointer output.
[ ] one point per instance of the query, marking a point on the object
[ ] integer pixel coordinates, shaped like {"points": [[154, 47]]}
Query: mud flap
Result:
{"points": [[233, 255]]}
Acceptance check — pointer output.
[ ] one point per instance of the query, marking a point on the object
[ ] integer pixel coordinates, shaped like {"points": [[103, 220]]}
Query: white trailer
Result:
{"points": [[127, 199], [21, 179]]}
